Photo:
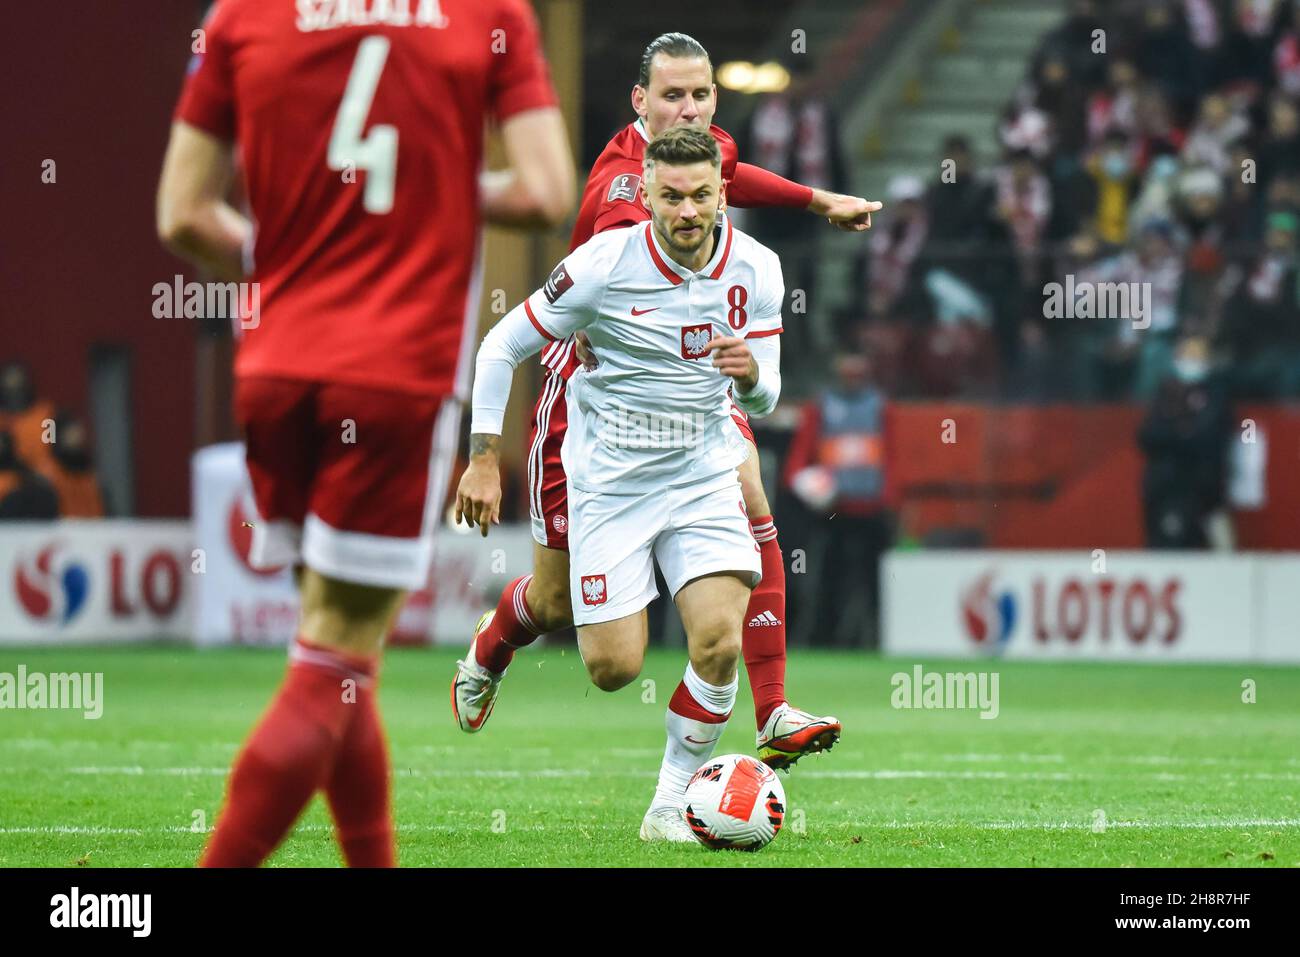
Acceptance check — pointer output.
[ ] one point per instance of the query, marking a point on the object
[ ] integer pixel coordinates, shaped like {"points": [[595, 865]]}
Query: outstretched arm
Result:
{"points": [[754, 186]]}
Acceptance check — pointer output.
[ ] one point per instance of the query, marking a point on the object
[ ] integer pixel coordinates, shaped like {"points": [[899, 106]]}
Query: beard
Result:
{"points": [[688, 243]]}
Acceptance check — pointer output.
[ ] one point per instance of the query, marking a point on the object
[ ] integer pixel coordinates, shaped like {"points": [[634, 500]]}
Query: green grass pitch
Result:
{"points": [[1086, 764]]}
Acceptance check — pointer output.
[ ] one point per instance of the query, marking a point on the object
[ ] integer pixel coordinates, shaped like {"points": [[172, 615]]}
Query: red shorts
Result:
{"points": [[348, 480], [548, 495]]}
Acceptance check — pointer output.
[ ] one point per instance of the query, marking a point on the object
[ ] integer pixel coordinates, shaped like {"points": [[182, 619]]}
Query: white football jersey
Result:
{"points": [[655, 412]]}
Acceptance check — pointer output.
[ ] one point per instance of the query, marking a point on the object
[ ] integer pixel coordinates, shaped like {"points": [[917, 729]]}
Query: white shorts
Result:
{"points": [[614, 541]]}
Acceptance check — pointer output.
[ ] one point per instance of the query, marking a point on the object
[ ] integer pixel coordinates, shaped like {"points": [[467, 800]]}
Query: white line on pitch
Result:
{"points": [[880, 774], [1226, 824]]}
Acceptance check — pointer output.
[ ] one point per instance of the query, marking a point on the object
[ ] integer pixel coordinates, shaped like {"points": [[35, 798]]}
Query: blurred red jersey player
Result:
{"points": [[359, 129], [675, 88]]}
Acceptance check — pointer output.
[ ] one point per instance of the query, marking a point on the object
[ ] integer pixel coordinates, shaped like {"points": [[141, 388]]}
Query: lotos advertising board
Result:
{"points": [[1121, 605]]}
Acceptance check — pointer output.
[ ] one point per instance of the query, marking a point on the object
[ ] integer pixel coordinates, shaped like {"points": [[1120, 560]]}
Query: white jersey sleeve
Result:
{"points": [[761, 400], [764, 339], [569, 301]]}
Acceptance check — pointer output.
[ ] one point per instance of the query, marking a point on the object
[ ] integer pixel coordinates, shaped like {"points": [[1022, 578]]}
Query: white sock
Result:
{"points": [[691, 739]]}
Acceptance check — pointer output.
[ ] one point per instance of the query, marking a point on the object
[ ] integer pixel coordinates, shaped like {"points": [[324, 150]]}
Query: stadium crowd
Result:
{"points": [[1163, 150]]}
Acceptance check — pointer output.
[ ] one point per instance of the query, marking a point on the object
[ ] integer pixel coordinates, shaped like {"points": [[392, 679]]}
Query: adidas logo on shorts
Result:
{"points": [[766, 618]]}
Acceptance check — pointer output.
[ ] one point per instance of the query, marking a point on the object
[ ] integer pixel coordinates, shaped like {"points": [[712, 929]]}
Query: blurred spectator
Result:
{"points": [[1125, 360], [1243, 203], [795, 134], [1206, 31], [1114, 108], [1114, 182], [1208, 231], [1211, 140], [1165, 53], [1024, 203], [836, 465], [1262, 331], [1072, 43], [1279, 148], [1158, 192], [1061, 98], [1185, 440], [24, 415], [1256, 28], [1157, 132], [23, 493], [895, 246], [70, 470], [970, 245], [49, 445], [1286, 56], [1027, 129]]}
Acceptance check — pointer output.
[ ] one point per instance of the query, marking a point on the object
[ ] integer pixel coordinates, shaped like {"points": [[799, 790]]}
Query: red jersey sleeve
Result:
{"points": [[754, 186], [621, 205], [208, 96], [749, 186], [521, 80], [611, 198]]}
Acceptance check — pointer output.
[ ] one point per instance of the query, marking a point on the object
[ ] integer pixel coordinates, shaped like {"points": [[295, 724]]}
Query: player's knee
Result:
{"points": [[611, 674], [716, 652]]}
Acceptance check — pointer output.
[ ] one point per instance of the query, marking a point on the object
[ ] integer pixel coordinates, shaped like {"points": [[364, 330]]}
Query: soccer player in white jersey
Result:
{"points": [[682, 312]]}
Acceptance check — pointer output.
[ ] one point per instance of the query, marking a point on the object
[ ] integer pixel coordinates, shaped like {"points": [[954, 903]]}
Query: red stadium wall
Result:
{"points": [[1059, 476], [79, 255]]}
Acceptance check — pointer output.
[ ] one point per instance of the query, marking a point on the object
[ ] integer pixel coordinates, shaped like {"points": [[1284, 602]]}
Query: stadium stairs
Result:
{"points": [[954, 71]]}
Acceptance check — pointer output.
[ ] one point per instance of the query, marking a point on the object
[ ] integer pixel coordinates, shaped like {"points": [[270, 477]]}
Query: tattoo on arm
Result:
{"points": [[481, 443]]}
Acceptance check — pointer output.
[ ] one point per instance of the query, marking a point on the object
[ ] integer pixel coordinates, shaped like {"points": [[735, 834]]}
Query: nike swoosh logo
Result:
{"points": [[477, 722], [642, 312], [693, 741]]}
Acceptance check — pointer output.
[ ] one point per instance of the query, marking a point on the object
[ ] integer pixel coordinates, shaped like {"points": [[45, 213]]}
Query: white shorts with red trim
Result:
{"points": [[690, 530], [548, 497]]}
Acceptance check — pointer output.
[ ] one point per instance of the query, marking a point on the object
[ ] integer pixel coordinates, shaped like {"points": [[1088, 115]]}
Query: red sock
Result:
{"points": [[287, 757], [358, 788], [763, 640], [511, 628]]}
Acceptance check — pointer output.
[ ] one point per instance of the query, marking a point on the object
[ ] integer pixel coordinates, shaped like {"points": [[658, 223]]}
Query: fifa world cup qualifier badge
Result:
{"points": [[626, 187], [557, 284]]}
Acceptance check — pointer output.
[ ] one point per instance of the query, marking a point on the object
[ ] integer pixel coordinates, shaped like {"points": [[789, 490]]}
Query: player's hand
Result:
{"points": [[731, 357], [850, 213], [478, 496], [586, 355]]}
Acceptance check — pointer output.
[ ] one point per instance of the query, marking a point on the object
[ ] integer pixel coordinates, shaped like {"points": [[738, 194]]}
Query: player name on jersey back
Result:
{"points": [[333, 14]]}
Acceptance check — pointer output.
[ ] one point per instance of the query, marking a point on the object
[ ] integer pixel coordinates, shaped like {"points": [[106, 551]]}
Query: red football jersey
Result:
{"points": [[612, 196], [360, 127]]}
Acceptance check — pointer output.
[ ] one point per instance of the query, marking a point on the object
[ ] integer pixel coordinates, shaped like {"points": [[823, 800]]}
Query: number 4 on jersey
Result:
{"points": [[376, 153]]}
